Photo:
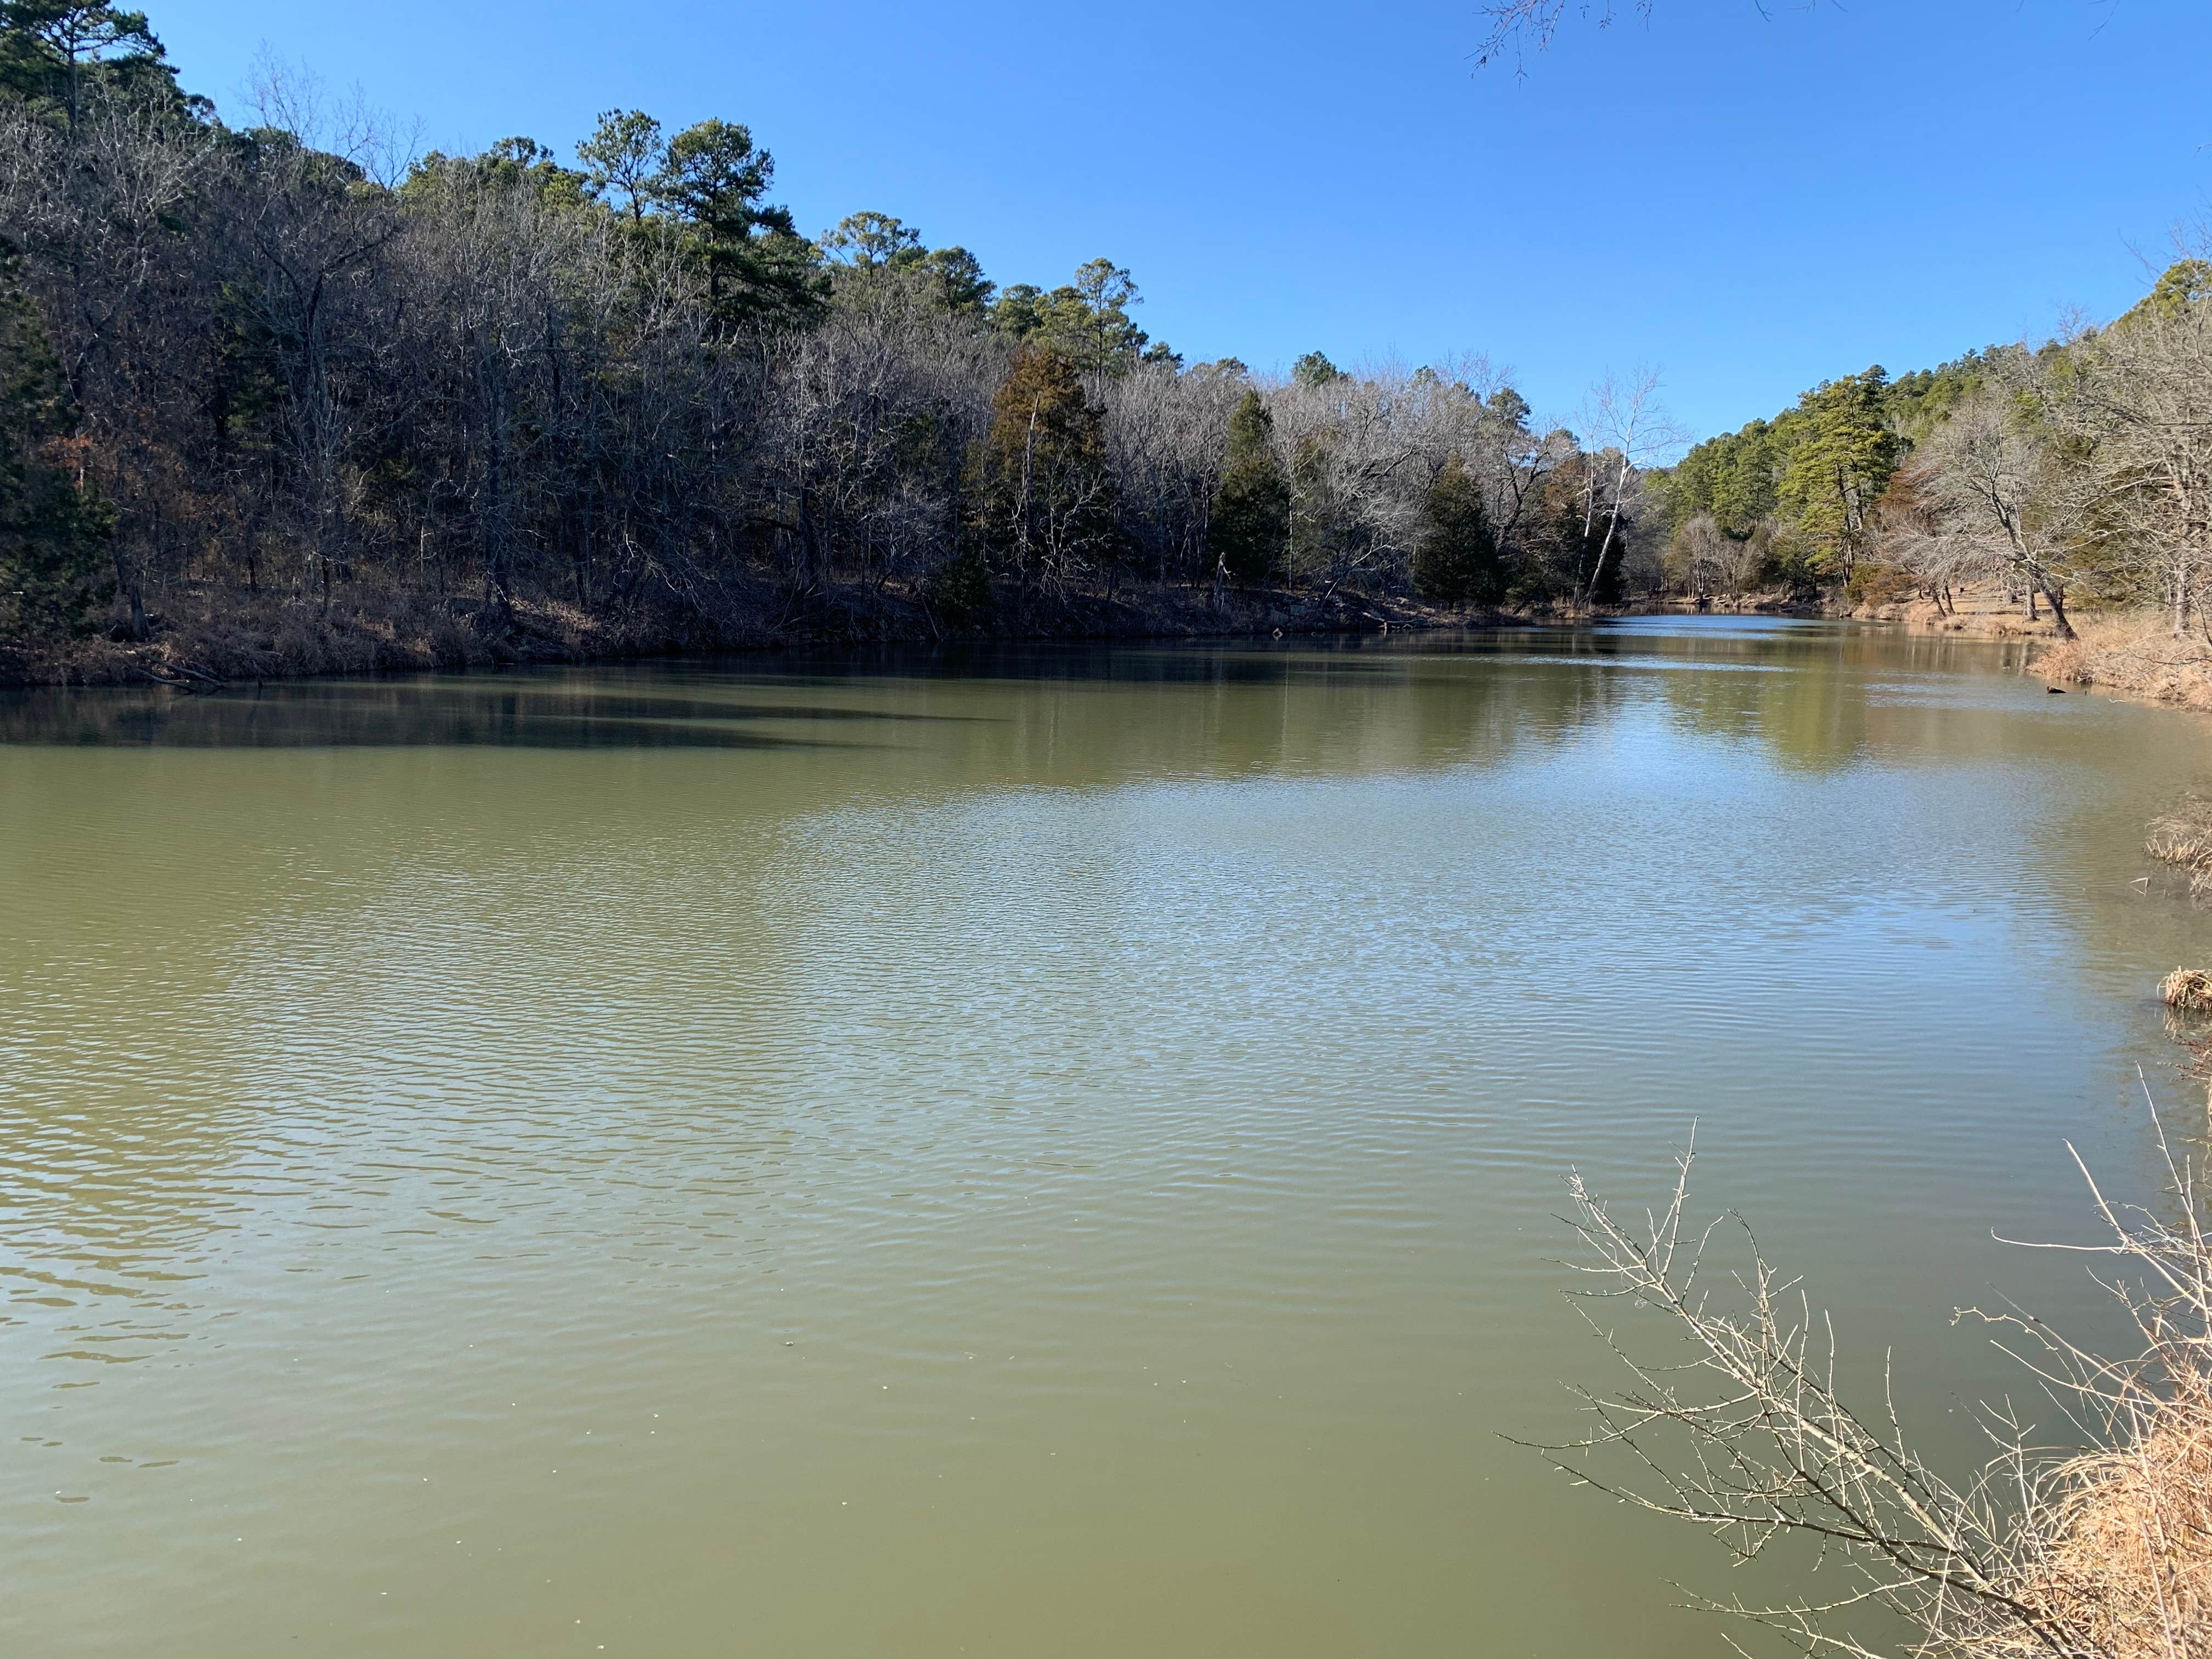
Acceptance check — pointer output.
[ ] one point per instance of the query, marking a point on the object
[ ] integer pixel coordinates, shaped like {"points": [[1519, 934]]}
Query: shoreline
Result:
{"points": [[217, 637], [2129, 654], [212, 637]]}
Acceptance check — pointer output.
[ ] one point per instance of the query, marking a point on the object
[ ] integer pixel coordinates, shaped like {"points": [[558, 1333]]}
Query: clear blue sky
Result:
{"points": [[1751, 205]]}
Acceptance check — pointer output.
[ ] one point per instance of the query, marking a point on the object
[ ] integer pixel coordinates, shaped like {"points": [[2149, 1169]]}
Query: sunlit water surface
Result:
{"points": [[1051, 1152]]}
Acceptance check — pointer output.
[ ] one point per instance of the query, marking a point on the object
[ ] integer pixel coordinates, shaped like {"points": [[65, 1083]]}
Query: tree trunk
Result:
{"points": [[2051, 592]]}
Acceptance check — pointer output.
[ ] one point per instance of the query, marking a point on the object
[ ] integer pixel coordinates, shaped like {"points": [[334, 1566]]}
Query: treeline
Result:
{"points": [[2078, 468], [256, 368]]}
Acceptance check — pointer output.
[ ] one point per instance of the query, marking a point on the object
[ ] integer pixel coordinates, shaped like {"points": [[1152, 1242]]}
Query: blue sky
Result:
{"points": [[1750, 205]]}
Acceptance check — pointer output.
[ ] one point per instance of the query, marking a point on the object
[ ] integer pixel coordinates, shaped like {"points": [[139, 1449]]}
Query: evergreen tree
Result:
{"points": [[513, 161], [2181, 285], [1456, 562], [1843, 455], [959, 280], [622, 158], [759, 268], [1325, 537], [55, 579], [868, 240], [55, 53], [960, 588], [867, 248], [1315, 370], [1105, 341], [1251, 509], [1018, 310], [1086, 320]]}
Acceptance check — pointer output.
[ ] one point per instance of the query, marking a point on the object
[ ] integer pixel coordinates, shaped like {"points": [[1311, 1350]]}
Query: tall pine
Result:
{"points": [[1252, 509]]}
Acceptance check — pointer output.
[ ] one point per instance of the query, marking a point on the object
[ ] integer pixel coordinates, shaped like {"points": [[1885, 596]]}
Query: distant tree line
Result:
{"points": [[268, 364], [2080, 467]]}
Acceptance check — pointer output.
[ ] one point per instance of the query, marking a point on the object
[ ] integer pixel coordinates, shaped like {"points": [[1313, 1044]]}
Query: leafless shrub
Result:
{"points": [[2068, 1553]]}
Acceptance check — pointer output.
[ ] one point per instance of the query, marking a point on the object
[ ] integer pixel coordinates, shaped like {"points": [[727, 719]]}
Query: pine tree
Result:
{"points": [[1251, 511], [1456, 562], [55, 54], [759, 270], [1844, 452]]}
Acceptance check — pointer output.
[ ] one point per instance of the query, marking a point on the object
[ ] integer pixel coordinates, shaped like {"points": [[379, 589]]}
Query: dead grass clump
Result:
{"points": [[2130, 1557], [2189, 989], [2067, 662], [2183, 837]]}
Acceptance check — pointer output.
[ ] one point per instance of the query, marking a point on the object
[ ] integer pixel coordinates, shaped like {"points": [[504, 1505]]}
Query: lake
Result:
{"points": [[1045, 1150]]}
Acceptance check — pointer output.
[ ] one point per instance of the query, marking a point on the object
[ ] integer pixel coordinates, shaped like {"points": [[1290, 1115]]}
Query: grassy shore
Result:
{"points": [[2133, 655]]}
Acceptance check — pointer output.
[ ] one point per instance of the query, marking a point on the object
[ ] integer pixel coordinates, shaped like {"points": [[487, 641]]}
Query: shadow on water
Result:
{"points": [[504, 712]]}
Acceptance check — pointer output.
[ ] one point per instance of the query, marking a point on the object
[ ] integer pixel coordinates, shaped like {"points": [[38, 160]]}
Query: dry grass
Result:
{"points": [[2135, 655], [1976, 610], [2130, 1554], [2182, 838], [2189, 989]]}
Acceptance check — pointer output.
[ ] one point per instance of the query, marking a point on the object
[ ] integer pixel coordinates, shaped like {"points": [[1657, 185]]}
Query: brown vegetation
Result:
{"points": [[2182, 838], [287, 406], [2137, 655], [1976, 610], [2131, 1558], [2103, 1552], [2188, 989]]}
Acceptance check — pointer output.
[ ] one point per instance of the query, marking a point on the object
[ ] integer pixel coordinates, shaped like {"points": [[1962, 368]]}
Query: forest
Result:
{"points": [[278, 396]]}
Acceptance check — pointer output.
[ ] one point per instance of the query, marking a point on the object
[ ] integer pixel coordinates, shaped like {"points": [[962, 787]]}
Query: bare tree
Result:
{"points": [[1635, 432], [1994, 502], [1521, 26], [307, 361], [2129, 407], [1167, 433]]}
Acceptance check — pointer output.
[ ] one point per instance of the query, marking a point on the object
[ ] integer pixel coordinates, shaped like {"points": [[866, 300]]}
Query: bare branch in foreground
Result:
{"points": [[2103, 1554]]}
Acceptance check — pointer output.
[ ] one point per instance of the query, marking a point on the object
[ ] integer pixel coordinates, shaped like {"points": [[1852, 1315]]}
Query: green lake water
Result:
{"points": [[1050, 1151]]}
